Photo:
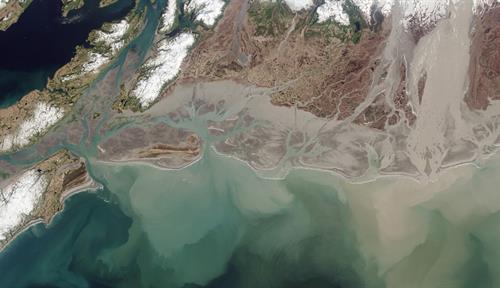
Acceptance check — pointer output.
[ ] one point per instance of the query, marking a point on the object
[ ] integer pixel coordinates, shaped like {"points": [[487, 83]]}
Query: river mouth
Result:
{"points": [[42, 41], [255, 207]]}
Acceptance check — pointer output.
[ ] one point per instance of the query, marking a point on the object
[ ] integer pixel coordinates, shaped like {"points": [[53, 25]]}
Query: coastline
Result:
{"points": [[10, 13], [283, 172], [68, 82], [84, 189], [337, 173], [143, 162], [65, 175], [91, 188]]}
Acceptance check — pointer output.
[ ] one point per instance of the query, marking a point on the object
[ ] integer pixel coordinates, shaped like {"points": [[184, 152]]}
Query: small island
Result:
{"points": [[69, 5]]}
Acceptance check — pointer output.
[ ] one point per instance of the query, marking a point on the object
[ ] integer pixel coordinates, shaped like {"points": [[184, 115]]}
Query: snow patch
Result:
{"points": [[19, 199], [481, 4], [95, 61], [206, 11], [428, 12], [168, 17], [365, 6], [332, 9], [425, 12], [44, 116], [297, 5], [163, 67], [114, 38], [3, 3], [385, 6], [7, 17]]}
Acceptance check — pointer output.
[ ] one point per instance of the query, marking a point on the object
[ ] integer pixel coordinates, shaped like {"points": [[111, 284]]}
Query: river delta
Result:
{"points": [[215, 184]]}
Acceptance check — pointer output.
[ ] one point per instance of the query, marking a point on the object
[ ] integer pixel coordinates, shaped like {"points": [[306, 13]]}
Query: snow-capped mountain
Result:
{"points": [[426, 11], [416, 15]]}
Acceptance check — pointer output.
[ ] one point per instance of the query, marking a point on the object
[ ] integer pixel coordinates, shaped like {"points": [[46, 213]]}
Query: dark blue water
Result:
{"points": [[42, 41]]}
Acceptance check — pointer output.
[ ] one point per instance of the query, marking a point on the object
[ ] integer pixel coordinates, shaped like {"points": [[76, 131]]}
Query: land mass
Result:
{"points": [[11, 11], [55, 178]]}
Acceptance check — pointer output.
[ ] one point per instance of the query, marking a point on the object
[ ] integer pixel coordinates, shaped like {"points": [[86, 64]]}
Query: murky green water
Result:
{"points": [[217, 224], [212, 224]]}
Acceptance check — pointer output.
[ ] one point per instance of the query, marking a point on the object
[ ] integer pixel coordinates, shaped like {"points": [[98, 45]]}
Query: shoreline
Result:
{"points": [[463, 157], [335, 173], [64, 175], [280, 172], [90, 187], [148, 163], [285, 171]]}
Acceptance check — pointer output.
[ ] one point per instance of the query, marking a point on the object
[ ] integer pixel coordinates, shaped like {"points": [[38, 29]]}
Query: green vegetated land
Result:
{"points": [[274, 18]]}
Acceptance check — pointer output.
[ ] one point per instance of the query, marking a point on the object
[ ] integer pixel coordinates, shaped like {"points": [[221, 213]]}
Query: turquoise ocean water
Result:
{"points": [[213, 224]]}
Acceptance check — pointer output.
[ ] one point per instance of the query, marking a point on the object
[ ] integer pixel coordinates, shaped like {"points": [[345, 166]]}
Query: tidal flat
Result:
{"points": [[248, 211], [252, 216], [217, 223], [214, 186]]}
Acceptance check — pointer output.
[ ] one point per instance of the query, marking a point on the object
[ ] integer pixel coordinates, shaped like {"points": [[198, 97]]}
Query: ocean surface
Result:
{"points": [[42, 41], [218, 224], [213, 224]]}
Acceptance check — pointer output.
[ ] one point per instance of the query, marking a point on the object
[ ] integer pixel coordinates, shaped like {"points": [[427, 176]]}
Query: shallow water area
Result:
{"points": [[216, 223], [219, 222], [190, 231]]}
